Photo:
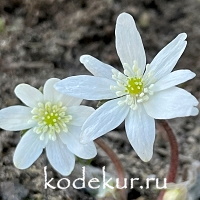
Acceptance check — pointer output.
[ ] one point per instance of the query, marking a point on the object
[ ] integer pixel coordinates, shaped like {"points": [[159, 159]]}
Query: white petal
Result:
{"points": [[128, 42], [194, 111], [72, 140], [171, 103], [87, 87], [16, 118], [28, 150], [172, 79], [52, 95], [166, 59], [106, 118], [49, 92], [69, 100], [96, 67], [140, 129], [79, 114], [28, 95], [61, 159]]}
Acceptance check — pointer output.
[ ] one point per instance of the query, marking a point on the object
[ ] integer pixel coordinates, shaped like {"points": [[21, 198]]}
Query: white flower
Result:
{"points": [[140, 95], [53, 121]]}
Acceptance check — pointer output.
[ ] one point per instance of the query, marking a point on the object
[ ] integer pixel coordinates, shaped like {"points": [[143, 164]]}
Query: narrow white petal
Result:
{"points": [[96, 67], [166, 59], [72, 140], [61, 159], [140, 129], [28, 95], [28, 150], [49, 92], [171, 103], [106, 118], [173, 79], [87, 87], [128, 42], [79, 114], [16, 118], [69, 100], [52, 95]]}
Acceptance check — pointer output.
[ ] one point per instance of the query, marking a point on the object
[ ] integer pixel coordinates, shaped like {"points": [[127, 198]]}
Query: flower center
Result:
{"points": [[134, 86], [51, 119]]}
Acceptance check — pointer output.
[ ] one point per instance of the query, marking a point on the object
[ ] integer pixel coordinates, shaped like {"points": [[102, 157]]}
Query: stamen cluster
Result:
{"points": [[133, 85], [51, 119]]}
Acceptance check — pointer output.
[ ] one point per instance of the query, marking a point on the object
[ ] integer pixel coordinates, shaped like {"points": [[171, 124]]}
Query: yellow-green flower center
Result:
{"points": [[51, 118], [134, 86]]}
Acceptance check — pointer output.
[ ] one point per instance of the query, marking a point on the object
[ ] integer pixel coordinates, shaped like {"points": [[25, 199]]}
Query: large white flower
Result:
{"points": [[53, 121], [140, 95]]}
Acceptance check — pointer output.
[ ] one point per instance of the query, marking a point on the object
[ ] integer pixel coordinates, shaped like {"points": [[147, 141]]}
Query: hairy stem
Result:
{"points": [[174, 160], [117, 163]]}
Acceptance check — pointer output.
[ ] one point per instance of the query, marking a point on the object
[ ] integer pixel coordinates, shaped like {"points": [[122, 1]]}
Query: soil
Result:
{"points": [[42, 39]]}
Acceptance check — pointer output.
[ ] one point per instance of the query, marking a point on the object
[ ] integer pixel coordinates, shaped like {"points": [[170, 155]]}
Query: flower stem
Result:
{"points": [[174, 161], [117, 163]]}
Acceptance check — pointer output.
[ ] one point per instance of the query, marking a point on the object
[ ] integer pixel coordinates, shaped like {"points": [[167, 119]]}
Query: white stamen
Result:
{"points": [[142, 94], [139, 100]]}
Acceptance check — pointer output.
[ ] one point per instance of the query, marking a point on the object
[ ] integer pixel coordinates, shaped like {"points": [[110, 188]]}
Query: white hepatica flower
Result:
{"points": [[140, 95], [54, 122]]}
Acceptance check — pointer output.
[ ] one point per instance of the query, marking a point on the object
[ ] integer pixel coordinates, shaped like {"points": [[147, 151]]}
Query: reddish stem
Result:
{"points": [[174, 161], [117, 163]]}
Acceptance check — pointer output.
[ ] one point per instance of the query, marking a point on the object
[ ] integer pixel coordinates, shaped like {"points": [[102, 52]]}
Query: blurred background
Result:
{"points": [[42, 39]]}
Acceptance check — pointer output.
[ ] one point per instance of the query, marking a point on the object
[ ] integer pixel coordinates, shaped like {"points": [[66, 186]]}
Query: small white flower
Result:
{"points": [[54, 122], [140, 95]]}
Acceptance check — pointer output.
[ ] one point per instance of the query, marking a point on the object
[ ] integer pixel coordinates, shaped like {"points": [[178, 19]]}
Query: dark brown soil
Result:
{"points": [[41, 39]]}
